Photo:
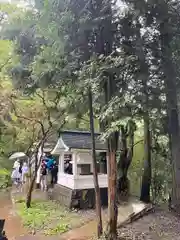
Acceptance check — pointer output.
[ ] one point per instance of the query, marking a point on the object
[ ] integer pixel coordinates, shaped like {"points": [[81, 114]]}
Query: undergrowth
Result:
{"points": [[47, 217], [5, 178]]}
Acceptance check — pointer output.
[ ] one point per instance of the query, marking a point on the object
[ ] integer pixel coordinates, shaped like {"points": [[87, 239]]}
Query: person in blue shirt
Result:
{"points": [[52, 168], [49, 161]]}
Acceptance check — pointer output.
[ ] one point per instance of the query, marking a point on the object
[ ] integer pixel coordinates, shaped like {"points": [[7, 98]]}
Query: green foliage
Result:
{"points": [[67, 47], [135, 171], [60, 228], [47, 217], [162, 173], [5, 178]]}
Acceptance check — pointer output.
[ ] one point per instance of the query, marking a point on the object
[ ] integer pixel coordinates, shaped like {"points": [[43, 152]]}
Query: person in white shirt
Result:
{"points": [[16, 164], [15, 172], [25, 171], [15, 175]]}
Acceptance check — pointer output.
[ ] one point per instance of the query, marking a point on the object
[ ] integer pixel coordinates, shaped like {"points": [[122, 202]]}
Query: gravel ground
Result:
{"points": [[161, 225]]}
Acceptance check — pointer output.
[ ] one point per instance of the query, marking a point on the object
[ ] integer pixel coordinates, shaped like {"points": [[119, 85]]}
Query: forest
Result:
{"points": [[101, 66]]}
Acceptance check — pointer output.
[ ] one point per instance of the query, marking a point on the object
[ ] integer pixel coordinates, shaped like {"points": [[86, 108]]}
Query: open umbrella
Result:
{"points": [[17, 155]]}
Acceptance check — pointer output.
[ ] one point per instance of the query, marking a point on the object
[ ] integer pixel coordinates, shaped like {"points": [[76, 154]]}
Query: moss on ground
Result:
{"points": [[49, 218]]}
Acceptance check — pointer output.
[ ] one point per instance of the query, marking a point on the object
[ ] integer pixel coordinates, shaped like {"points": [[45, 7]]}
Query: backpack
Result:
{"points": [[43, 171]]}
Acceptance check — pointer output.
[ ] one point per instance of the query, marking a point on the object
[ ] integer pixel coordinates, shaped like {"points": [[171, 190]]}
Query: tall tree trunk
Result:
{"points": [[111, 233], [144, 77], [30, 190], [40, 147], [146, 178], [172, 108], [126, 156], [95, 173], [29, 193], [104, 43]]}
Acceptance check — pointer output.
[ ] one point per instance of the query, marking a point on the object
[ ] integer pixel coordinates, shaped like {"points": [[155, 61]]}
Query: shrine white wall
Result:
{"points": [[81, 182], [77, 181], [87, 182]]}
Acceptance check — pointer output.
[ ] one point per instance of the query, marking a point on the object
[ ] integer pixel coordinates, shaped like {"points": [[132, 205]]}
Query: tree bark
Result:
{"points": [[126, 156], [146, 178], [30, 190], [144, 77], [172, 109], [37, 165], [111, 233], [104, 44], [95, 172], [147, 173]]}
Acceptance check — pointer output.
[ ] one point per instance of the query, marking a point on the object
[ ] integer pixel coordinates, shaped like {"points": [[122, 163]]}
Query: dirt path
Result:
{"points": [[13, 226], [83, 233], [161, 225], [15, 230], [89, 230]]}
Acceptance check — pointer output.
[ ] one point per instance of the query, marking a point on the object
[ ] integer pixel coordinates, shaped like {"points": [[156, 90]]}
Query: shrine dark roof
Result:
{"points": [[81, 140]]}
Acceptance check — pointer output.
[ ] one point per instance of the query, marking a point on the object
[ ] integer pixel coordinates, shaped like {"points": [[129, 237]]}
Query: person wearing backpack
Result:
{"points": [[54, 174], [43, 176]]}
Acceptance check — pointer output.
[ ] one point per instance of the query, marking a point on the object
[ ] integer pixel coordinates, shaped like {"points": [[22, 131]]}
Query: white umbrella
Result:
{"points": [[17, 155]]}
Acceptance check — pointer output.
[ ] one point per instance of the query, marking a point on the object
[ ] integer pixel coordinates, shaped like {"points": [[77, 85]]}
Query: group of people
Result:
{"points": [[48, 166], [19, 172]]}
